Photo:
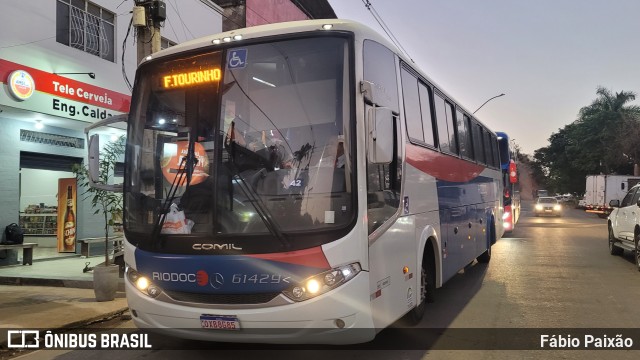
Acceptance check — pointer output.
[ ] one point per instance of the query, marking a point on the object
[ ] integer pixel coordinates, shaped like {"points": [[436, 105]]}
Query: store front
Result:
{"points": [[42, 121]]}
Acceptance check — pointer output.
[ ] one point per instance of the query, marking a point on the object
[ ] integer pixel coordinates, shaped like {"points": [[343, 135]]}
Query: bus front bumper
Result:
{"points": [[341, 316]]}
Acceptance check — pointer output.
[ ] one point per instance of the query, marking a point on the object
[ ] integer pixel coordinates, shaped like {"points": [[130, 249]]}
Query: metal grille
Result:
{"points": [[51, 139], [88, 33], [222, 298]]}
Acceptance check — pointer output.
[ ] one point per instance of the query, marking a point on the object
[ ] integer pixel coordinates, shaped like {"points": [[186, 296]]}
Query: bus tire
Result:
{"points": [[427, 288], [485, 257]]}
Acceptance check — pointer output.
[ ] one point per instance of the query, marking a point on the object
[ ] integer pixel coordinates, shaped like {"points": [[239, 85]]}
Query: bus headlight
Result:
{"points": [[322, 283], [142, 283]]}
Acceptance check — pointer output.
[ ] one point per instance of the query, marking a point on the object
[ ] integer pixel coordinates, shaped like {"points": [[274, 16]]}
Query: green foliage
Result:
{"points": [[103, 202], [604, 139]]}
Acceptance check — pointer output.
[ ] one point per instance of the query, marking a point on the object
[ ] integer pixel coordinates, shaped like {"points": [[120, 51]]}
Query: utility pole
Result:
{"points": [[147, 18]]}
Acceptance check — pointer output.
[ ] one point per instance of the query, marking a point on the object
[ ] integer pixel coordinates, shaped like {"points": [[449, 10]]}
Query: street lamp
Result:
{"points": [[487, 102]]}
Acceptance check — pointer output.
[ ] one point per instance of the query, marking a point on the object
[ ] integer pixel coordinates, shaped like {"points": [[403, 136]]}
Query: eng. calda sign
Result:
{"points": [[71, 110]]}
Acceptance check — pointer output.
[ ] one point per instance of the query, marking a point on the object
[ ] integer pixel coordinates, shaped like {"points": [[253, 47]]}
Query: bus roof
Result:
{"points": [[261, 31]]}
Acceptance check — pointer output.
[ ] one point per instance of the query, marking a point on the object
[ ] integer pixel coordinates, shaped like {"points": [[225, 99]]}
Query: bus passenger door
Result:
{"points": [[392, 244]]}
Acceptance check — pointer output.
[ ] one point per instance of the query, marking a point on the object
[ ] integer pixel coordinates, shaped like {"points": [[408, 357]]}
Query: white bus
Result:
{"points": [[299, 182]]}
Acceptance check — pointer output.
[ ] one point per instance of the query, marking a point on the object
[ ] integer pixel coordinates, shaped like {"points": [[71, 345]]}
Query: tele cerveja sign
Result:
{"points": [[58, 95]]}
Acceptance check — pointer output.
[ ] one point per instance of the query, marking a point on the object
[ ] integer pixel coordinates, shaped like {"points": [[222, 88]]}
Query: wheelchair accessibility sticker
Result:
{"points": [[237, 59]]}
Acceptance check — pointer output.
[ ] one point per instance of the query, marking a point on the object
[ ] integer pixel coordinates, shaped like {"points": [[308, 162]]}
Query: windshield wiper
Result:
{"points": [[254, 198], [185, 168]]}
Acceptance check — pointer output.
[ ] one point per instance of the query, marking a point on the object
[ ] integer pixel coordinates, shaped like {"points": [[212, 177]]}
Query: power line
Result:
{"points": [[184, 26], [124, 49], [27, 43], [172, 29], [384, 27]]}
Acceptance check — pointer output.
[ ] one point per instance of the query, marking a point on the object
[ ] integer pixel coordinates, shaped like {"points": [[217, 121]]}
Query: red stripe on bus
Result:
{"points": [[441, 166], [313, 257]]}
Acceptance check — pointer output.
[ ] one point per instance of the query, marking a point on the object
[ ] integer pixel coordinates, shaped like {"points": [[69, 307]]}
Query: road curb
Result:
{"points": [[70, 283]]}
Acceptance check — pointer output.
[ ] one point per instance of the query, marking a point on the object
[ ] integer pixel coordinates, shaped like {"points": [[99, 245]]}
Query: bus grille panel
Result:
{"points": [[222, 298]]}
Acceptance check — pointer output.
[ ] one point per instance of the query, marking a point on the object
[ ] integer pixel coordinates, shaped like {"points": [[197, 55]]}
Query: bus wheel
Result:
{"points": [[426, 291], [485, 257]]}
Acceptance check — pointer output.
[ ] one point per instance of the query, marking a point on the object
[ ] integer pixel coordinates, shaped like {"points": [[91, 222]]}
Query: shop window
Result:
{"points": [[29, 160], [87, 27]]}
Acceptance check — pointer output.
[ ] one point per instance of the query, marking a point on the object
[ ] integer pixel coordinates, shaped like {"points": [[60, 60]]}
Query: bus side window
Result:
{"points": [[411, 102], [496, 151], [446, 125], [478, 148], [427, 118], [452, 128], [464, 135], [488, 152]]}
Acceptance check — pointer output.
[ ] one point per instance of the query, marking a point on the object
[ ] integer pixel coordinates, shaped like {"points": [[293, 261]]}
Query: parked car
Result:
{"points": [[567, 197], [624, 224], [547, 205]]}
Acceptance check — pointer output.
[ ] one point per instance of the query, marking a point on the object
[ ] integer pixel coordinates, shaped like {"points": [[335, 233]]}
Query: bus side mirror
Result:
{"points": [[614, 203], [93, 153], [380, 135]]}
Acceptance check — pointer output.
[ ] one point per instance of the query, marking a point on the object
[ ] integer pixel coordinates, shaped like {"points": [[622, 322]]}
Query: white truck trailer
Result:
{"points": [[600, 189]]}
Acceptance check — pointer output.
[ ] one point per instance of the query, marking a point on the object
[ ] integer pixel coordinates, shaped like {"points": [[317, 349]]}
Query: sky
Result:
{"points": [[547, 56]]}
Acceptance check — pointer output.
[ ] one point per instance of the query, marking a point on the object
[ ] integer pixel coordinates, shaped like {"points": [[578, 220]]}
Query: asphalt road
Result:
{"points": [[550, 274]]}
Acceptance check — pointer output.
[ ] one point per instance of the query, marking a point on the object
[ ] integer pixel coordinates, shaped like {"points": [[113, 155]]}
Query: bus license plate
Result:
{"points": [[219, 322]]}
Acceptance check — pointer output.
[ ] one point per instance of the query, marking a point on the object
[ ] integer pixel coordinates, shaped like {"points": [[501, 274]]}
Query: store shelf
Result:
{"points": [[39, 224]]}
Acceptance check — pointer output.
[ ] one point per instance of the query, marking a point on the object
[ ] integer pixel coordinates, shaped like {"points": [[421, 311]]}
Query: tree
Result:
{"points": [[603, 139], [104, 202], [603, 125]]}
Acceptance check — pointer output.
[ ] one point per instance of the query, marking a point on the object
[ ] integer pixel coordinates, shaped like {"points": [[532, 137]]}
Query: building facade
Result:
{"points": [[247, 13], [65, 64]]}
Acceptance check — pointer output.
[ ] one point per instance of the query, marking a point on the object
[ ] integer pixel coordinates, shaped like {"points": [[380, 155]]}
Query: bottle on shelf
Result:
{"points": [[69, 224]]}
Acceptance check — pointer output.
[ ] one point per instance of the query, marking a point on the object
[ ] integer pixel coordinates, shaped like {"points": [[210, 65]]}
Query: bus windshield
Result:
{"points": [[244, 144]]}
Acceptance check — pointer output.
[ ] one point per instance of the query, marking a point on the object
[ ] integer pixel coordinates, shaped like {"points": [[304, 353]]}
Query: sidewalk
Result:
{"points": [[52, 294]]}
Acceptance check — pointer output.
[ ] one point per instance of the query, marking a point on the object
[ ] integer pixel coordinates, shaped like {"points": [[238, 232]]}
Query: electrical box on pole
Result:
{"points": [[158, 11], [148, 35], [139, 16]]}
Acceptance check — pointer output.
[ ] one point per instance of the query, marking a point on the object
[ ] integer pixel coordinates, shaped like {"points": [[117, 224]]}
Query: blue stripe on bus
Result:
{"points": [[219, 274]]}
